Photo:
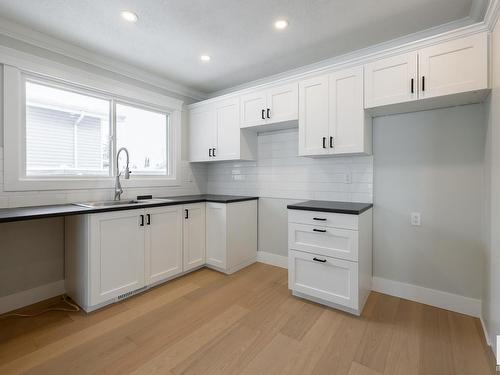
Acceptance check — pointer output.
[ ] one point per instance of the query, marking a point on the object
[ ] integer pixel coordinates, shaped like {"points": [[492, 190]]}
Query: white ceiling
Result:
{"points": [[238, 34]]}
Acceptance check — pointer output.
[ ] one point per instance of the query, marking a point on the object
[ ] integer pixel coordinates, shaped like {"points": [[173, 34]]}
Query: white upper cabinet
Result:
{"points": [[283, 103], [275, 105], [350, 126], [332, 119], [227, 115], [215, 134], [163, 227], [313, 116], [453, 67], [202, 133], [391, 80], [253, 109]]}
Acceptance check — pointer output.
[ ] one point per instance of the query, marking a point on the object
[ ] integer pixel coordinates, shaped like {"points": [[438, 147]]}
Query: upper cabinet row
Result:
{"points": [[333, 111], [457, 66]]}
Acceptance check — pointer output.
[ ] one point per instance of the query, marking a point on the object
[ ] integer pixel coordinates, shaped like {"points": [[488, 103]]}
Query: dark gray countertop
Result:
{"points": [[351, 208], [40, 212]]}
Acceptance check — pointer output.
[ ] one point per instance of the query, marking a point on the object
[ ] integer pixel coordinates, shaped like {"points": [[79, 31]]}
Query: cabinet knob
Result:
{"points": [[324, 142], [319, 230], [423, 83], [142, 221], [186, 214], [268, 113], [213, 152], [331, 142], [210, 152], [263, 114]]}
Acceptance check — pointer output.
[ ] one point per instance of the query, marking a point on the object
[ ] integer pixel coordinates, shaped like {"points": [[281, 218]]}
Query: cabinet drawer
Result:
{"points": [[332, 242], [330, 279], [327, 219]]}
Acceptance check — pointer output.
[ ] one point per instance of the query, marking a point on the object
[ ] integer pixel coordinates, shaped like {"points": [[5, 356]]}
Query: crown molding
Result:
{"points": [[434, 35], [46, 42], [492, 14]]}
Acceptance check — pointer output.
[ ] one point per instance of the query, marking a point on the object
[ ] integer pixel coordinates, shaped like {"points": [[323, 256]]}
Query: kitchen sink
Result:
{"points": [[104, 204]]}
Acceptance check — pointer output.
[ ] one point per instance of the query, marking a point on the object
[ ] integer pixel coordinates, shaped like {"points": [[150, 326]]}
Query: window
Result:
{"points": [[144, 133], [67, 134], [60, 135]]}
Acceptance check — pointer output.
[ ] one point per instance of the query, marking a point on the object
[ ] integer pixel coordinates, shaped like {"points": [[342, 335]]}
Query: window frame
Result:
{"points": [[15, 177]]}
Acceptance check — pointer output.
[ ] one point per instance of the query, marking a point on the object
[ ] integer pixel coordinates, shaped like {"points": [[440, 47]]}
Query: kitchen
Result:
{"points": [[326, 214]]}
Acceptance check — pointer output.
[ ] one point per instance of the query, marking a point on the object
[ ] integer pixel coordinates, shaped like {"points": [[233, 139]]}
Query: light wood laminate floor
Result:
{"points": [[246, 323]]}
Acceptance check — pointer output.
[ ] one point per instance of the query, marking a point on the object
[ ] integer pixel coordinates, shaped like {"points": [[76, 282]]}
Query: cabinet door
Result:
{"points": [[283, 103], [216, 234], [330, 279], [313, 116], [228, 130], [347, 115], [163, 243], [253, 109], [391, 80], [194, 235], [202, 133], [116, 254], [453, 67]]}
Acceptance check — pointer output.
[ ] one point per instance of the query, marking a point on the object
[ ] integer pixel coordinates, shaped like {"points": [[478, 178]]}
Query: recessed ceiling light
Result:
{"points": [[281, 24], [205, 58], [129, 16]]}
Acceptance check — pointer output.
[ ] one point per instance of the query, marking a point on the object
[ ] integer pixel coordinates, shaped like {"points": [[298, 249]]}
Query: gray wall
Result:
{"points": [[430, 162], [31, 254], [491, 294]]}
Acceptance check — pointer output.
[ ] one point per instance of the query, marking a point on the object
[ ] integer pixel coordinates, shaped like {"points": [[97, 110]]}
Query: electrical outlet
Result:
{"points": [[347, 178], [415, 219]]}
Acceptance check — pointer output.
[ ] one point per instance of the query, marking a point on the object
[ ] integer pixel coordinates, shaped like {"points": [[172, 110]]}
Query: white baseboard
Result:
{"points": [[485, 331], [272, 259], [30, 296], [437, 298]]}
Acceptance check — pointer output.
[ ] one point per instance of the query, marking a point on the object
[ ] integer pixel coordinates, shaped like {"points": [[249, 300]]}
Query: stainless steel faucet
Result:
{"points": [[118, 185]]}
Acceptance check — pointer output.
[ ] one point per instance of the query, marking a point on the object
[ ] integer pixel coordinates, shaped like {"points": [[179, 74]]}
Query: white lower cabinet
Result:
{"points": [[231, 235], [163, 229], [194, 235], [116, 244], [113, 255], [216, 235], [330, 279], [330, 258]]}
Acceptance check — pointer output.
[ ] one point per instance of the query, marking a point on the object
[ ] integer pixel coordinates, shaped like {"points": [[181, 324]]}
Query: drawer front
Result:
{"points": [[327, 219], [331, 242], [330, 279]]}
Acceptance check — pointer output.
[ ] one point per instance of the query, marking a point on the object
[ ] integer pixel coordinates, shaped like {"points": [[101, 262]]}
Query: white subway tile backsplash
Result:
{"points": [[280, 173]]}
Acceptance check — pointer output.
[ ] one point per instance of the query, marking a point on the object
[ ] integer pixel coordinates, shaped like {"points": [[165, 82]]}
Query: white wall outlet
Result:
{"points": [[415, 219], [347, 178]]}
